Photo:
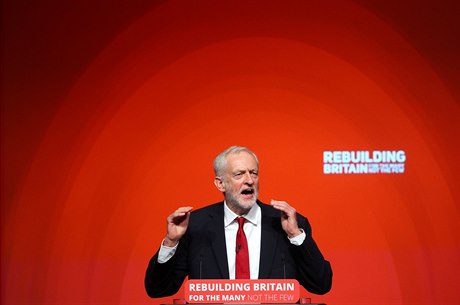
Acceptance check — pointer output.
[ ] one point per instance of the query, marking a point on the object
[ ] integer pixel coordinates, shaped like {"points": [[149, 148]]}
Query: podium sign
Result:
{"points": [[242, 291]]}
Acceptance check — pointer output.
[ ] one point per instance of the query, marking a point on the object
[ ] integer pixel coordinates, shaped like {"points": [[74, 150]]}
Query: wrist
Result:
{"points": [[298, 239], [295, 233], [169, 242]]}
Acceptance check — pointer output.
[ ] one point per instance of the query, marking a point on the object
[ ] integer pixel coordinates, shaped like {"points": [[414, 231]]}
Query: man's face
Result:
{"points": [[240, 182]]}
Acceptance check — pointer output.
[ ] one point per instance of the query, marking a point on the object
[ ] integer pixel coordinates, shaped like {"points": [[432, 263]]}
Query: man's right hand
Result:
{"points": [[176, 226]]}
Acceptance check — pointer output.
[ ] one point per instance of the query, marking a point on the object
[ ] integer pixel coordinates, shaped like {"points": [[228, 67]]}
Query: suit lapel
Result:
{"points": [[218, 244], [268, 243]]}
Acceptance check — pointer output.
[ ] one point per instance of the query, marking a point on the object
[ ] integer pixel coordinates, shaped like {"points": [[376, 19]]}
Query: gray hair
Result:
{"points": [[221, 160]]}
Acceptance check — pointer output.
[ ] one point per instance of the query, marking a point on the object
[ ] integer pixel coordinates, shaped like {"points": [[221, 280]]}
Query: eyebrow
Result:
{"points": [[245, 170]]}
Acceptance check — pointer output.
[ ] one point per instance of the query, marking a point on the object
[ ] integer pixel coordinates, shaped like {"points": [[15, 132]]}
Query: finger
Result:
{"points": [[283, 206], [279, 203], [183, 210], [177, 218]]}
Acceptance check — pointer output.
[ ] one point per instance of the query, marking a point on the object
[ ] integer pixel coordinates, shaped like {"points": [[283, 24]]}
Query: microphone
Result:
{"points": [[201, 264], [238, 248], [284, 265]]}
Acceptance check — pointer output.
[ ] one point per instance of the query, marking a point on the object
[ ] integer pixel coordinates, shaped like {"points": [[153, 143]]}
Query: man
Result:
{"points": [[209, 244]]}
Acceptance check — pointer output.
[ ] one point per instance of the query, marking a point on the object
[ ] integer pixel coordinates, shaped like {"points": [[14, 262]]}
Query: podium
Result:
{"points": [[243, 292]]}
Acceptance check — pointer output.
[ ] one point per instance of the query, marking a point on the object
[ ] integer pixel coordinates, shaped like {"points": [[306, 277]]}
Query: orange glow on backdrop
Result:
{"points": [[113, 112]]}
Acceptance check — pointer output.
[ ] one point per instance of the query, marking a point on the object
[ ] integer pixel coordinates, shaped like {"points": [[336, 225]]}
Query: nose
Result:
{"points": [[248, 179]]}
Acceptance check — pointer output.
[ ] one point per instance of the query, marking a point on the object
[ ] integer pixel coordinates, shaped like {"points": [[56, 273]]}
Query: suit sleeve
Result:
{"points": [[165, 279], [315, 273]]}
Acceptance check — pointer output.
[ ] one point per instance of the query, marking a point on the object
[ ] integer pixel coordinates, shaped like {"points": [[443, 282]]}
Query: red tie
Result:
{"points": [[242, 255]]}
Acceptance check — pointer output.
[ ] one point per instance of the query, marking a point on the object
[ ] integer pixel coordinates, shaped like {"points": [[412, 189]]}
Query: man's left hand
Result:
{"points": [[288, 218]]}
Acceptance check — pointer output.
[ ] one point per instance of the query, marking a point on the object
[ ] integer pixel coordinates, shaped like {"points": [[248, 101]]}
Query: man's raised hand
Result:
{"points": [[176, 225], [288, 217]]}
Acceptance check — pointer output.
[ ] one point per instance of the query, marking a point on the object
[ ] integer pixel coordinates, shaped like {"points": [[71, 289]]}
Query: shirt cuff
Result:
{"points": [[166, 253], [298, 240]]}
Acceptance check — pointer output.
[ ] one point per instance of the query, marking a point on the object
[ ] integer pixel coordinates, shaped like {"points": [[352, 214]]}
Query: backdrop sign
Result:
{"points": [[242, 291], [364, 162]]}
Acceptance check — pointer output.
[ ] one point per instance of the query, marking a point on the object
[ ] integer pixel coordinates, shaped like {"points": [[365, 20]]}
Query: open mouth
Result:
{"points": [[247, 193]]}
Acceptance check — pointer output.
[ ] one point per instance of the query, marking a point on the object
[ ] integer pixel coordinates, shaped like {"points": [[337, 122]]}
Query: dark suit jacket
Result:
{"points": [[202, 254]]}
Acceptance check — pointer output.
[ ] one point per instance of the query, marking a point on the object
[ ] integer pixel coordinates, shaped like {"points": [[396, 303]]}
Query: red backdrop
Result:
{"points": [[113, 111]]}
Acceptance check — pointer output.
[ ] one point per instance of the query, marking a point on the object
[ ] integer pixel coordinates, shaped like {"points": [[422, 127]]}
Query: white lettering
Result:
{"points": [[233, 297], [337, 156], [327, 157], [364, 162], [401, 156]]}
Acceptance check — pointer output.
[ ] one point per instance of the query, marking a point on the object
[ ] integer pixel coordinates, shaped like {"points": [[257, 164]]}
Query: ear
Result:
{"points": [[219, 183]]}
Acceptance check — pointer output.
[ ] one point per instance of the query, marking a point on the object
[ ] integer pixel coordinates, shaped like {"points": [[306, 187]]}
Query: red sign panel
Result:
{"points": [[242, 291]]}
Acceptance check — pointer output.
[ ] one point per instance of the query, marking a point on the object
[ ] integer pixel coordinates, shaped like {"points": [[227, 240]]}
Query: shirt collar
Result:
{"points": [[253, 216]]}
